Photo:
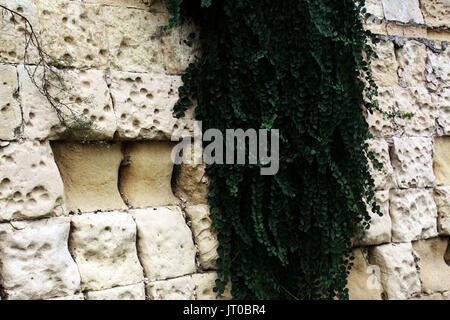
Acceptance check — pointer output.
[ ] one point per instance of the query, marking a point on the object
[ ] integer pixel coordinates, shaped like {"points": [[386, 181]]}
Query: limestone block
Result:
{"points": [[384, 178], [144, 106], [36, 263], [145, 180], [437, 70], [90, 175], [363, 282], [205, 284], [165, 244], [140, 4], [79, 296], [407, 31], [436, 12], [10, 114], [205, 237], [104, 248], [411, 59], [407, 11], [413, 214], [30, 184], [12, 31], [85, 105], [174, 289], [131, 292], [73, 34], [384, 68], [412, 162], [375, 8], [443, 105], [191, 183], [442, 200], [434, 272], [379, 124], [399, 275], [441, 162]]}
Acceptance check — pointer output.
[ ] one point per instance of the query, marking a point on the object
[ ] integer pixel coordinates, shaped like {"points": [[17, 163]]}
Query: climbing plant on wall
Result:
{"points": [[298, 66]]}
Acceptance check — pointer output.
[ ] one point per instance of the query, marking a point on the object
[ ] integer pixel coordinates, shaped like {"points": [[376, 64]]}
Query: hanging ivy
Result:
{"points": [[298, 66]]}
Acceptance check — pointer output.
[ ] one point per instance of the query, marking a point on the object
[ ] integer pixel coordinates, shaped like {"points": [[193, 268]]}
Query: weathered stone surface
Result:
{"points": [[412, 162], [79, 296], [399, 275], [73, 34], [104, 248], [434, 296], [144, 106], [131, 292], [442, 200], [140, 4], [205, 284], [145, 180], [90, 175], [443, 105], [434, 272], [35, 260], [374, 7], [436, 12], [383, 179], [411, 58], [437, 72], [165, 244], [413, 214], [403, 11], [385, 67], [401, 30], [441, 163], [85, 105], [30, 184], [191, 183], [364, 281], [379, 124], [10, 114], [174, 289]]}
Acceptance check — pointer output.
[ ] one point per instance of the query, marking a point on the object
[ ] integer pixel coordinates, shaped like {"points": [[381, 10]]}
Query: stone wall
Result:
{"points": [[103, 214]]}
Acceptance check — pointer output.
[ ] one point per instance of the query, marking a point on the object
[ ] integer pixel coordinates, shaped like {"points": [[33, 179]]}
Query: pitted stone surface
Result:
{"points": [[104, 248], [140, 4], [30, 184], [443, 105], [174, 289], [441, 162], [436, 12], [379, 124], [131, 292], [35, 260], [165, 244], [385, 67], [442, 199], [384, 179], [438, 70], [191, 183], [10, 114], [205, 284], [364, 281], [412, 59], [407, 11]]}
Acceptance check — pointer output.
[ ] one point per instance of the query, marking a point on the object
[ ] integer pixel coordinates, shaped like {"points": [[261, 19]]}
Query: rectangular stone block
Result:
{"points": [[437, 72], [442, 200], [205, 284], [384, 179], [443, 105], [436, 12], [379, 124], [384, 68], [174, 289], [364, 280], [406, 11], [411, 58], [10, 113], [131, 292], [441, 161]]}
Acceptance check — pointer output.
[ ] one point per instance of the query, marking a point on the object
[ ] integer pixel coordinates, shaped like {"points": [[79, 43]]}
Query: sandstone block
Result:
{"points": [[191, 183], [384, 178], [131, 292], [205, 284], [375, 8], [407, 31], [104, 248], [174, 289], [411, 59], [406, 11], [30, 184], [413, 214], [384, 68], [437, 70], [165, 244], [442, 200], [436, 12], [441, 163], [90, 175], [399, 275], [379, 124], [412, 162], [10, 114], [443, 105], [36, 263], [363, 282], [145, 181]]}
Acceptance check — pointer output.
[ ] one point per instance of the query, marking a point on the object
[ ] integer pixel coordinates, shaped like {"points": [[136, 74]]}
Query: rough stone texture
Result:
{"points": [[434, 296], [144, 106], [413, 214], [385, 67], [442, 200], [79, 296], [90, 175], [399, 275], [403, 11], [10, 113], [384, 178], [436, 12], [411, 58], [165, 244], [145, 180], [441, 162], [35, 260], [85, 104], [205, 284], [364, 280], [104, 248], [443, 105], [437, 70], [173, 289], [131, 292], [30, 184], [412, 162], [380, 125], [434, 272], [374, 7], [140, 4]]}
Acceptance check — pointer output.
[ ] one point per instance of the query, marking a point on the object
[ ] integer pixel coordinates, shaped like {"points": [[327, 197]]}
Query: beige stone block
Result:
{"points": [[437, 72], [436, 12], [90, 175], [363, 282], [165, 244], [104, 248], [406, 11], [441, 162], [412, 162], [443, 105], [411, 59], [413, 215], [379, 124], [139, 4], [84, 103], [434, 296], [10, 113], [204, 235], [439, 35], [30, 184], [374, 7], [192, 183], [205, 284], [36, 263], [399, 275], [400, 30], [383, 179], [434, 272], [174, 289], [145, 179], [131, 292], [79, 296], [442, 200], [73, 34], [384, 68]]}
